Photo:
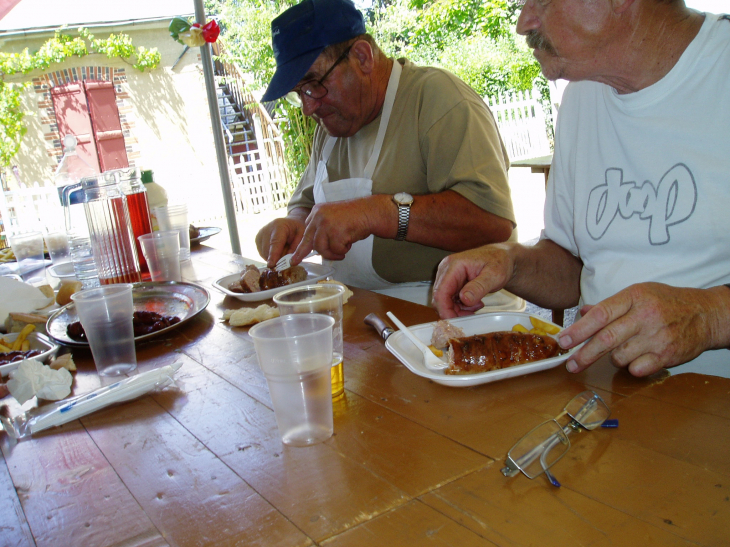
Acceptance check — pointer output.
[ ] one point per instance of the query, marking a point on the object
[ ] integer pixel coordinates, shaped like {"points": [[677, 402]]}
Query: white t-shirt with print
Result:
{"points": [[640, 183]]}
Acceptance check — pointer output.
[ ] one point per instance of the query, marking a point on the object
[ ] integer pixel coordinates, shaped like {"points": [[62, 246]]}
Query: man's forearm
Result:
{"points": [[446, 220], [545, 274]]}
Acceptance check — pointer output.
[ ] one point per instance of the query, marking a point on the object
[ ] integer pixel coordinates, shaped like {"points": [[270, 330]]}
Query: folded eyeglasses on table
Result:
{"points": [[541, 448]]}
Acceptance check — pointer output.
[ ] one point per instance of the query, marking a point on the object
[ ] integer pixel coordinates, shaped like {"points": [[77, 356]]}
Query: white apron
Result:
{"points": [[357, 267]]}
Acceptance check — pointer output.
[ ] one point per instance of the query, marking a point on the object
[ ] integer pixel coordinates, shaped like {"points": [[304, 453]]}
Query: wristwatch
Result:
{"points": [[404, 202]]}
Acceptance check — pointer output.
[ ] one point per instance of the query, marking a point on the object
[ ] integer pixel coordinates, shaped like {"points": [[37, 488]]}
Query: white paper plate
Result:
{"points": [[412, 358], [315, 272], [37, 341], [63, 270]]}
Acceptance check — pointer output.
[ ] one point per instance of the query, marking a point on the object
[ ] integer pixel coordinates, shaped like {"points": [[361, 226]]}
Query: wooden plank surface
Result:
{"points": [[412, 462]]}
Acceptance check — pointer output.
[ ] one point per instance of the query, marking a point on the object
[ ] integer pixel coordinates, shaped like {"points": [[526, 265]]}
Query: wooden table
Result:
{"points": [[411, 463], [538, 165]]}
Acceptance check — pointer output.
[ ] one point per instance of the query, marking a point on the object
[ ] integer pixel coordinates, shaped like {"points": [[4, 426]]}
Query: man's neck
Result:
{"points": [[658, 36]]}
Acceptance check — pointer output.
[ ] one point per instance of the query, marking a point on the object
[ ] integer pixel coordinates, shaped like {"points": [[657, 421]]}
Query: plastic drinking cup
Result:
{"points": [[28, 250], [106, 315], [162, 252], [175, 217], [58, 247], [326, 299], [295, 354]]}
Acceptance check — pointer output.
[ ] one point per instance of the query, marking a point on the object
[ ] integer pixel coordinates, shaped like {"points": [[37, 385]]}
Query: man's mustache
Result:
{"points": [[537, 41]]}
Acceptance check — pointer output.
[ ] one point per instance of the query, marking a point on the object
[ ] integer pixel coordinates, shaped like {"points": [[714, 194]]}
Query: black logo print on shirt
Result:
{"points": [[672, 201]]}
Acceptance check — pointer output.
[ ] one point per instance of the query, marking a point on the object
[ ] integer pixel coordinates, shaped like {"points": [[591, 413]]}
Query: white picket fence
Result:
{"points": [[522, 122], [258, 182]]}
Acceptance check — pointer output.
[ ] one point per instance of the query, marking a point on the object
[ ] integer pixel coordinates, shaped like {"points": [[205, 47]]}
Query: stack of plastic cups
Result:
{"points": [[175, 217], [162, 250]]}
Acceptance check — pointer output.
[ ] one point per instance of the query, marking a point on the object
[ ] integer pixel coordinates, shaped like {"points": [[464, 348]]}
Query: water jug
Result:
{"points": [[67, 177], [110, 229]]}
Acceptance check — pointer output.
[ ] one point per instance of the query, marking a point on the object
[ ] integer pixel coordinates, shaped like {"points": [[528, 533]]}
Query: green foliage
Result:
{"points": [[56, 50], [297, 131], [12, 127], [492, 67]]}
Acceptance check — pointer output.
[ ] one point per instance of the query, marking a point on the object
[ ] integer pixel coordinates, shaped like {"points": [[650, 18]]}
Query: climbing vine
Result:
{"points": [[56, 50]]}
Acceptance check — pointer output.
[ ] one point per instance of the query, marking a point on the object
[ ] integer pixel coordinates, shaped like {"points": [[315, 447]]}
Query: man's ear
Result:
{"points": [[363, 54]]}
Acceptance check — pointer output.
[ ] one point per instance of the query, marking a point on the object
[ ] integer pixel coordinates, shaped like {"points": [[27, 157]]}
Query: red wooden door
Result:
{"points": [[107, 127], [72, 116]]}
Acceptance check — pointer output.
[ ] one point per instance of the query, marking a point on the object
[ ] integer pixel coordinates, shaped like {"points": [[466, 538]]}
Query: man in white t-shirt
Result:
{"points": [[637, 217]]}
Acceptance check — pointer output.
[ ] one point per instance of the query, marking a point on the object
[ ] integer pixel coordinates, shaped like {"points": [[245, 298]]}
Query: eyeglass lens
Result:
{"points": [[588, 409], [542, 447]]}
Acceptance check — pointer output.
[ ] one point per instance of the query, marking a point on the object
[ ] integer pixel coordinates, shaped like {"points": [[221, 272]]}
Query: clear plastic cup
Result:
{"points": [[28, 250], [175, 217], [162, 252], [320, 298], [58, 247], [295, 354], [106, 315]]}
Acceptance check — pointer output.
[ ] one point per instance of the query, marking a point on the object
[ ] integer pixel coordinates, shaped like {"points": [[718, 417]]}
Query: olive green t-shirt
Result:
{"points": [[441, 136]]}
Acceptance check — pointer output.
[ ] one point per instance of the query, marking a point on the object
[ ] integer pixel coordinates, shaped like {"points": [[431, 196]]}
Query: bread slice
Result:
{"points": [[16, 321]]}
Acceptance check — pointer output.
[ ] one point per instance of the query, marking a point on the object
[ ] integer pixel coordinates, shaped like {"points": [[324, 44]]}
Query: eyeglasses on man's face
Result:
{"points": [[314, 89], [541, 448]]}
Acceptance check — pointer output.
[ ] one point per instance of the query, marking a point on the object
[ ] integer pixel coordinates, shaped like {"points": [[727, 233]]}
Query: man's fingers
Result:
{"points": [[593, 319]]}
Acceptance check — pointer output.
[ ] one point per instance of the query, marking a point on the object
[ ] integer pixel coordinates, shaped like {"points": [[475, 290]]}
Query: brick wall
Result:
{"points": [[118, 76]]}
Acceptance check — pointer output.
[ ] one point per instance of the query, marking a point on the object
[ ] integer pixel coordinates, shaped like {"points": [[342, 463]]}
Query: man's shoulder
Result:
{"points": [[432, 83]]}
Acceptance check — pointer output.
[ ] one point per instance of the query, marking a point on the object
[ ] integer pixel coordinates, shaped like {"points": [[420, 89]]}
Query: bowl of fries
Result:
{"points": [[25, 340]]}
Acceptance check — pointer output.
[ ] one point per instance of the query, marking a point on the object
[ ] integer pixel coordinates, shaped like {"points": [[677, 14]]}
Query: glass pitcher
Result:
{"points": [[110, 229]]}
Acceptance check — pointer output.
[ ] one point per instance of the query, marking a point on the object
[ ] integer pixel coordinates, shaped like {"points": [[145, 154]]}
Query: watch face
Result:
{"points": [[403, 198]]}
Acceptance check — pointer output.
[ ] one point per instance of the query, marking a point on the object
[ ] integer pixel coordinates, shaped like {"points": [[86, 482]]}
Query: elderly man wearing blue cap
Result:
{"points": [[407, 163]]}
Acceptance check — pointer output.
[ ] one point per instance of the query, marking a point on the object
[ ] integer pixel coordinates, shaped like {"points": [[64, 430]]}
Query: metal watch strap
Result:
{"points": [[404, 215]]}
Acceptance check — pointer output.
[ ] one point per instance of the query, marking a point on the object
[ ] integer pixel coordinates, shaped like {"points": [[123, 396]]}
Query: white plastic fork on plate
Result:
{"points": [[429, 358], [284, 263]]}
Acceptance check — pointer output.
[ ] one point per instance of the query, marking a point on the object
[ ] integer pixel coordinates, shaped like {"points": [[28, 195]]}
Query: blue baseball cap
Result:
{"points": [[302, 32]]}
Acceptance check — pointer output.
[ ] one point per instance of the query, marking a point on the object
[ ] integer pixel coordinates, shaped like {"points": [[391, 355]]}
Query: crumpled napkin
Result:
{"points": [[33, 378], [20, 297]]}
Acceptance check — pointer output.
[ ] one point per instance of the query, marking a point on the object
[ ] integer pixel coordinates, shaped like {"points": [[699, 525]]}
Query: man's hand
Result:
{"points": [[650, 326], [281, 236], [332, 228], [463, 279]]}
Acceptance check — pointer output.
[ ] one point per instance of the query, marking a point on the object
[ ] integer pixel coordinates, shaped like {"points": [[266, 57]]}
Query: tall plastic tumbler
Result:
{"points": [[106, 315], [320, 298], [175, 217], [295, 354]]}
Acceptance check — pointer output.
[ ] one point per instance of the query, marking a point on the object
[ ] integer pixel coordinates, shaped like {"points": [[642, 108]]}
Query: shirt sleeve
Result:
{"points": [[559, 197], [463, 152]]}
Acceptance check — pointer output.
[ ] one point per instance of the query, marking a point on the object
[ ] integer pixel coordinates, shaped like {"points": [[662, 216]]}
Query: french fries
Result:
{"points": [[3, 347], [539, 327], [544, 326], [22, 335], [7, 255], [437, 352]]}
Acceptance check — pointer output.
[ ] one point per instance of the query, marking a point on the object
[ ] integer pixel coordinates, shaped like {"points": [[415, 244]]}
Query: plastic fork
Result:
{"points": [[429, 358], [284, 263]]}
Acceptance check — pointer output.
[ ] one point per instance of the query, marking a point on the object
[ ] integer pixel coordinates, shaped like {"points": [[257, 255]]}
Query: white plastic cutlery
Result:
{"points": [[429, 358], [284, 262]]}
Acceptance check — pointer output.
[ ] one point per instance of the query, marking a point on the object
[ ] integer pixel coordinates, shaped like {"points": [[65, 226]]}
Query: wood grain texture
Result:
{"points": [[411, 462], [14, 529]]}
